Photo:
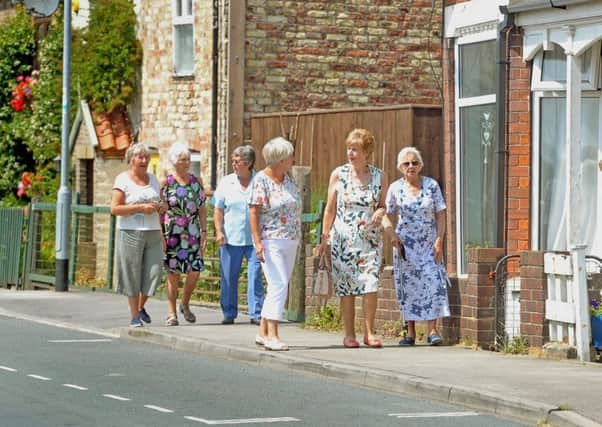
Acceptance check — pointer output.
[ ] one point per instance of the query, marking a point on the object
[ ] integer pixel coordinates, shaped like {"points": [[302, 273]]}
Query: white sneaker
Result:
{"points": [[259, 340], [275, 345]]}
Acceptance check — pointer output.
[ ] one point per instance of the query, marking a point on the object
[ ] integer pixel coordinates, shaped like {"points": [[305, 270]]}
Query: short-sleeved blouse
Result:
{"points": [[280, 216]]}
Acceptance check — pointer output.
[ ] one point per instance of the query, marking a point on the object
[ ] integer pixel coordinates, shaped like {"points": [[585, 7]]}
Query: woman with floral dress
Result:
{"points": [[353, 220], [420, 277], [275, 219], [184, 224]]}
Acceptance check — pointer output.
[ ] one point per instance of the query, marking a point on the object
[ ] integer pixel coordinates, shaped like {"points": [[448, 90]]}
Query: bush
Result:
{"points": [[107, 57]]}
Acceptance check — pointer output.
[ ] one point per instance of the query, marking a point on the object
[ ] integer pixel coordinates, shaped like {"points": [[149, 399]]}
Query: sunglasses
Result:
{"points": [[412, 163]]}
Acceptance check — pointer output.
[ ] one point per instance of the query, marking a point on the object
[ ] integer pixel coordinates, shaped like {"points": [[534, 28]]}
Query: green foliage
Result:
{"points": [[518, 345], [107, 57], [45, 141], [17, 49], [328, 318]]}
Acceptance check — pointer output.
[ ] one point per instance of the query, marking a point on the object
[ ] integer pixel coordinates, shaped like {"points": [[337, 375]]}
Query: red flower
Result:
{"points": [[23, 93]]}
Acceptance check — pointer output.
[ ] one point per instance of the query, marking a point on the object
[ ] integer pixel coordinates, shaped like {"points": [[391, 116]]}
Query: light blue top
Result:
{"points": [[231, 197]]}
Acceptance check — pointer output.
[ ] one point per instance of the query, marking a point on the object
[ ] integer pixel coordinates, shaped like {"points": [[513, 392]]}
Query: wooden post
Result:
{"points": [[296, 291], [236, 73]]}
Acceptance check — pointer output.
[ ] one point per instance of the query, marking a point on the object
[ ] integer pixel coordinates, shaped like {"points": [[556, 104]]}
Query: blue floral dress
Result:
{"points": [[420, 282], [181, 225], [356, 246]]}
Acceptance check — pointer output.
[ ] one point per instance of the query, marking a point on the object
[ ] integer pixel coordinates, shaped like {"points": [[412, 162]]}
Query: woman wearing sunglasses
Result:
{"points": [[416, 204]]}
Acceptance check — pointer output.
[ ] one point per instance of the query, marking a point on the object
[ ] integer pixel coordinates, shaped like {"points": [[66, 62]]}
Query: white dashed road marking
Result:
{"points": [[114, 396], [76, 387], [39, 377], [82, 340], [6, 368], [434, 414], [243, 420], [160, 409]]}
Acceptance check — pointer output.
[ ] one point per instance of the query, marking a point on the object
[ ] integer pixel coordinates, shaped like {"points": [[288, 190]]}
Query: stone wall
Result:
{"points": [[335, 53], [175, 108]]}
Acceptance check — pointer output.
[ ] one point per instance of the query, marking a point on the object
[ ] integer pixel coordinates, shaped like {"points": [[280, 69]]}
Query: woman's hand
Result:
{"points": [[438, 247], [377, 217], [259, 252], [148, 208], [204, 245], [220, 238]]}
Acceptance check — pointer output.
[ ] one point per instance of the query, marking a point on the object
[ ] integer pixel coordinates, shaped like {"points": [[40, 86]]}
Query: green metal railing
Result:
{"points": [[11, 230]]}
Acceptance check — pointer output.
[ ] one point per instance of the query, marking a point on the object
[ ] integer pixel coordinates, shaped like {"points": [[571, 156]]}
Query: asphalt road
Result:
{"points": [[57, 377]]}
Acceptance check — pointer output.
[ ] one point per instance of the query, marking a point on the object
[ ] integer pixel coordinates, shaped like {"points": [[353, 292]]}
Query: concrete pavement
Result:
{"points": [[563, 393]]}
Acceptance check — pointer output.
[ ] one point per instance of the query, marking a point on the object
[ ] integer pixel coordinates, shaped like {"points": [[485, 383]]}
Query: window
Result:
{"points": [[476, 186], [551, 155], [183, 37], [549, 69]]}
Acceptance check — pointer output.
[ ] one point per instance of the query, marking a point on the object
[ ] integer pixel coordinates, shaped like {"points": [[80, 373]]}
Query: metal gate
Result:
{"points": [[11, 230], [506, 301]]}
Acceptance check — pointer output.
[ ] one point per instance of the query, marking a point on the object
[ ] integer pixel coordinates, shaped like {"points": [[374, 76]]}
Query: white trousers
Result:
{"points": [[279, 256]]}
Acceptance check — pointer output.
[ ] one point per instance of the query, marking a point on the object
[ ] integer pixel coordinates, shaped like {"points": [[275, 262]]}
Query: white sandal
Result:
{"points": [[259, 340], [275, 345]]}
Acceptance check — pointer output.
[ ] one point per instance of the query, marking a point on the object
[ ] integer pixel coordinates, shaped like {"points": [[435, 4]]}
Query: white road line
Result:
{"points": [[434, 414], [39, 377], [160, 409], [76, 387], [6, 368], [243, 420], [113, 396], [82, 340]]}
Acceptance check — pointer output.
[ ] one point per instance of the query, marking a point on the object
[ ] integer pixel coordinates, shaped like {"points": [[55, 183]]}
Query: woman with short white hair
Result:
{"points": [[415, 203], [137, 204], [275, 215], [184, 231]]}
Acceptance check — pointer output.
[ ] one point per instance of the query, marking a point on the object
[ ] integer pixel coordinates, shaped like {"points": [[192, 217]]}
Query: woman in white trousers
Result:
{"points": [[275, 219]]}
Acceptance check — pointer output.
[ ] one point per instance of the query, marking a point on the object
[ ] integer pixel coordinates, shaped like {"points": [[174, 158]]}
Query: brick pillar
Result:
{"points": [[519, 147], [533, 284], [477, 314]]}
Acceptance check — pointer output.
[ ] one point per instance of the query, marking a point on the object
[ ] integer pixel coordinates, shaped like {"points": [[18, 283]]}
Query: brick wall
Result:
{"points": [[175, 108], [336, 53], [519, 141], [477, 315], [6, 9], [533, 285]]}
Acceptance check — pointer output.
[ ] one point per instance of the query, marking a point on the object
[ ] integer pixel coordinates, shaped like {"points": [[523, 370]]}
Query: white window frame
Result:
{"points": [[484, 36], [185, 19], [592, 81], [536, 147]]}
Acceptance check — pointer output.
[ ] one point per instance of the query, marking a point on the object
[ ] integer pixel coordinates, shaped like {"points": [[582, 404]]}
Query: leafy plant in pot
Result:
{"points": [[106, 60]]}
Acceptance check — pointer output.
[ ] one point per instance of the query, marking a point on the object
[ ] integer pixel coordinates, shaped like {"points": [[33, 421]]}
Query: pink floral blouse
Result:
{"points": [[280, 207]]}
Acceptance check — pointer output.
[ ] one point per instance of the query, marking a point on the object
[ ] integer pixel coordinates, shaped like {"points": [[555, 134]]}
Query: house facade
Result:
{"points": [[522, 119]]}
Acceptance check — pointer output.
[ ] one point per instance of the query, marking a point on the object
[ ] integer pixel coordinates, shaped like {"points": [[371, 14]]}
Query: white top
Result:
{"points": [[234, 200], [135, 194]]}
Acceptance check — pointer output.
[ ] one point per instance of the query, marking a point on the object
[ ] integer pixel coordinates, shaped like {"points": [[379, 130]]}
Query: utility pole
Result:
{"points": [[63, 205]]}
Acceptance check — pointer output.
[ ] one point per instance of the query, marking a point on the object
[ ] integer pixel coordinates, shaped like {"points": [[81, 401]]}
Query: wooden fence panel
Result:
{"points": [[319, 137]]}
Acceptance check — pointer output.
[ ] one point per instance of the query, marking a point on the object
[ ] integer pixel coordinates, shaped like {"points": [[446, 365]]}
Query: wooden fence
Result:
{"points": [[319, 137]]}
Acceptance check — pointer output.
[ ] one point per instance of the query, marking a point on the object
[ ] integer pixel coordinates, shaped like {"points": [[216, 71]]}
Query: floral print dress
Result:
{"points": [[181, 225], [420, 283], [356, 247]]}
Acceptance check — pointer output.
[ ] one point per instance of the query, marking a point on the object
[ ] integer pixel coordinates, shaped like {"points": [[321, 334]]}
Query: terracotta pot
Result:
{"points": [[104, 131], [121, 128]]}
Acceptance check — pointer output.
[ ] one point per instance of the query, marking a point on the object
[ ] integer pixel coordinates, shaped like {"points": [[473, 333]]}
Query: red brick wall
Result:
{"points": [[336, 53], [519, 141], [533, 284], [477, 315]]}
